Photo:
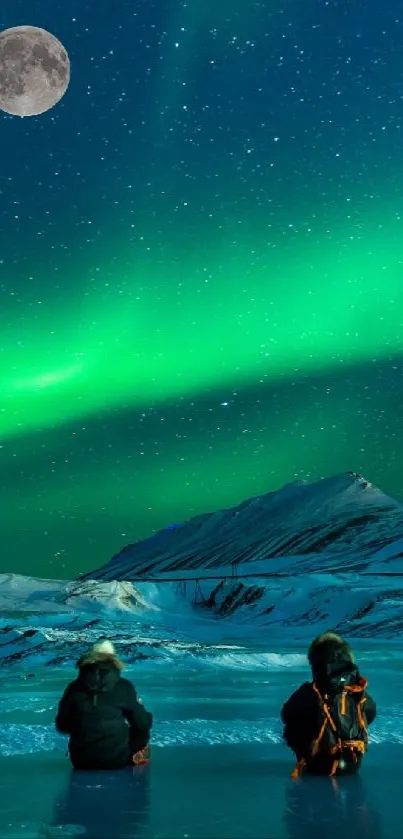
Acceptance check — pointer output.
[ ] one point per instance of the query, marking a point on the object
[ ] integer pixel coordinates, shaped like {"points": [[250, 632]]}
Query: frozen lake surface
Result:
{"points": [[219, 768]]}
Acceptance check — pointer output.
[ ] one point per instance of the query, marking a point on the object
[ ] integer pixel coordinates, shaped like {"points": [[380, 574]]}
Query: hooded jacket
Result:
{"points": [[101, 713], [332, 663]]}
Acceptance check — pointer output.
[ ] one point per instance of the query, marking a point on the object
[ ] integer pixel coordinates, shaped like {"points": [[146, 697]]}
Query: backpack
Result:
{"points": [[343, 731]]}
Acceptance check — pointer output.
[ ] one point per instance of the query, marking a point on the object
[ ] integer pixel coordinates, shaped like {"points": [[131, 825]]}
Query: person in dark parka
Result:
{"points": [[338, 689], [107, 724]]}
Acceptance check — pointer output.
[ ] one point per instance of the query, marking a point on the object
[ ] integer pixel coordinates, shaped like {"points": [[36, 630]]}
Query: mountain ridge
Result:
{"points": [[341, 515]]}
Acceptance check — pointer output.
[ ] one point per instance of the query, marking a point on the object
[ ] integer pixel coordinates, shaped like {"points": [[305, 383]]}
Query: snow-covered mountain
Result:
{"points": [[340, 523], [275, 570]]}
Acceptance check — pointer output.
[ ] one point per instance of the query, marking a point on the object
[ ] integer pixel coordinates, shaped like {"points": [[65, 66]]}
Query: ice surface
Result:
{"points": [[219, 768]]}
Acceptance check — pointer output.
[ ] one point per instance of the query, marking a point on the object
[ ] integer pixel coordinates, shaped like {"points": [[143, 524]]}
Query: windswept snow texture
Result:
{"points": [[337, 524], [45, 622]]}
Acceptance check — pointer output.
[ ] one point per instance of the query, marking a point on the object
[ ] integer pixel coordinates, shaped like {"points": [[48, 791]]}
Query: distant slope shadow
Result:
{"points": [[322, 808], [102, 805]]}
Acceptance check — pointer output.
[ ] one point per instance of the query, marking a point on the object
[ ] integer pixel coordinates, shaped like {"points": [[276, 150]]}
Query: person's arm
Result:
{"points": [[299, 716], [287, 711], [64, 712], [370, 709], [299, 705], [139, 719]]}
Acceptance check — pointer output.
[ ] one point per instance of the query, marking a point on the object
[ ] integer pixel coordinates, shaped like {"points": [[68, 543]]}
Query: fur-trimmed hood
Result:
{"points": [[331, 660], [100, 658], [102, 653], [99, 669], [327, 643]]}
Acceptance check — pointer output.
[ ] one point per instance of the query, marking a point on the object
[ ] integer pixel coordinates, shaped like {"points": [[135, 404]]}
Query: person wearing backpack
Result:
{"points": [[108, 726], [326, 721]]}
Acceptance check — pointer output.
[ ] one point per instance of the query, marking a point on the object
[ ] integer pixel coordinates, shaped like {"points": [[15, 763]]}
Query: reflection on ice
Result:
{"points": [[103, 805], [320, 807]]}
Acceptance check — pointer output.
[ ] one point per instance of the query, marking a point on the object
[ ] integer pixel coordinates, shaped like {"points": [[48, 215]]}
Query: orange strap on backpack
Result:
{"points": [[141, 757], [353, 745]]}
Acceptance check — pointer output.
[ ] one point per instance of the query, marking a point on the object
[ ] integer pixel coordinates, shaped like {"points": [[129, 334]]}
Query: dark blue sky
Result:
{"points": [[200, 267]]}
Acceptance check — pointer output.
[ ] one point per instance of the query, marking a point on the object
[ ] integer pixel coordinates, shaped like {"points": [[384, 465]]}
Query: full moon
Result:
{"points": [[34, 71]]}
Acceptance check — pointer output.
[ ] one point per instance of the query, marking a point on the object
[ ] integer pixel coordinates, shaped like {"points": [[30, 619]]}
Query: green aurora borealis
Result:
{"points": [[202, 284]]}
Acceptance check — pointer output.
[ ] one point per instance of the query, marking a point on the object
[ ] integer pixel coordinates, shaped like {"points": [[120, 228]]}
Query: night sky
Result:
{"points": [[201, 267]]}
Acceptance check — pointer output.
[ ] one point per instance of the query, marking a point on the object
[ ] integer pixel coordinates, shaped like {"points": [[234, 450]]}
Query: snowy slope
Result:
{"points": [[222, 623], [337, 523], [274, 570]]}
